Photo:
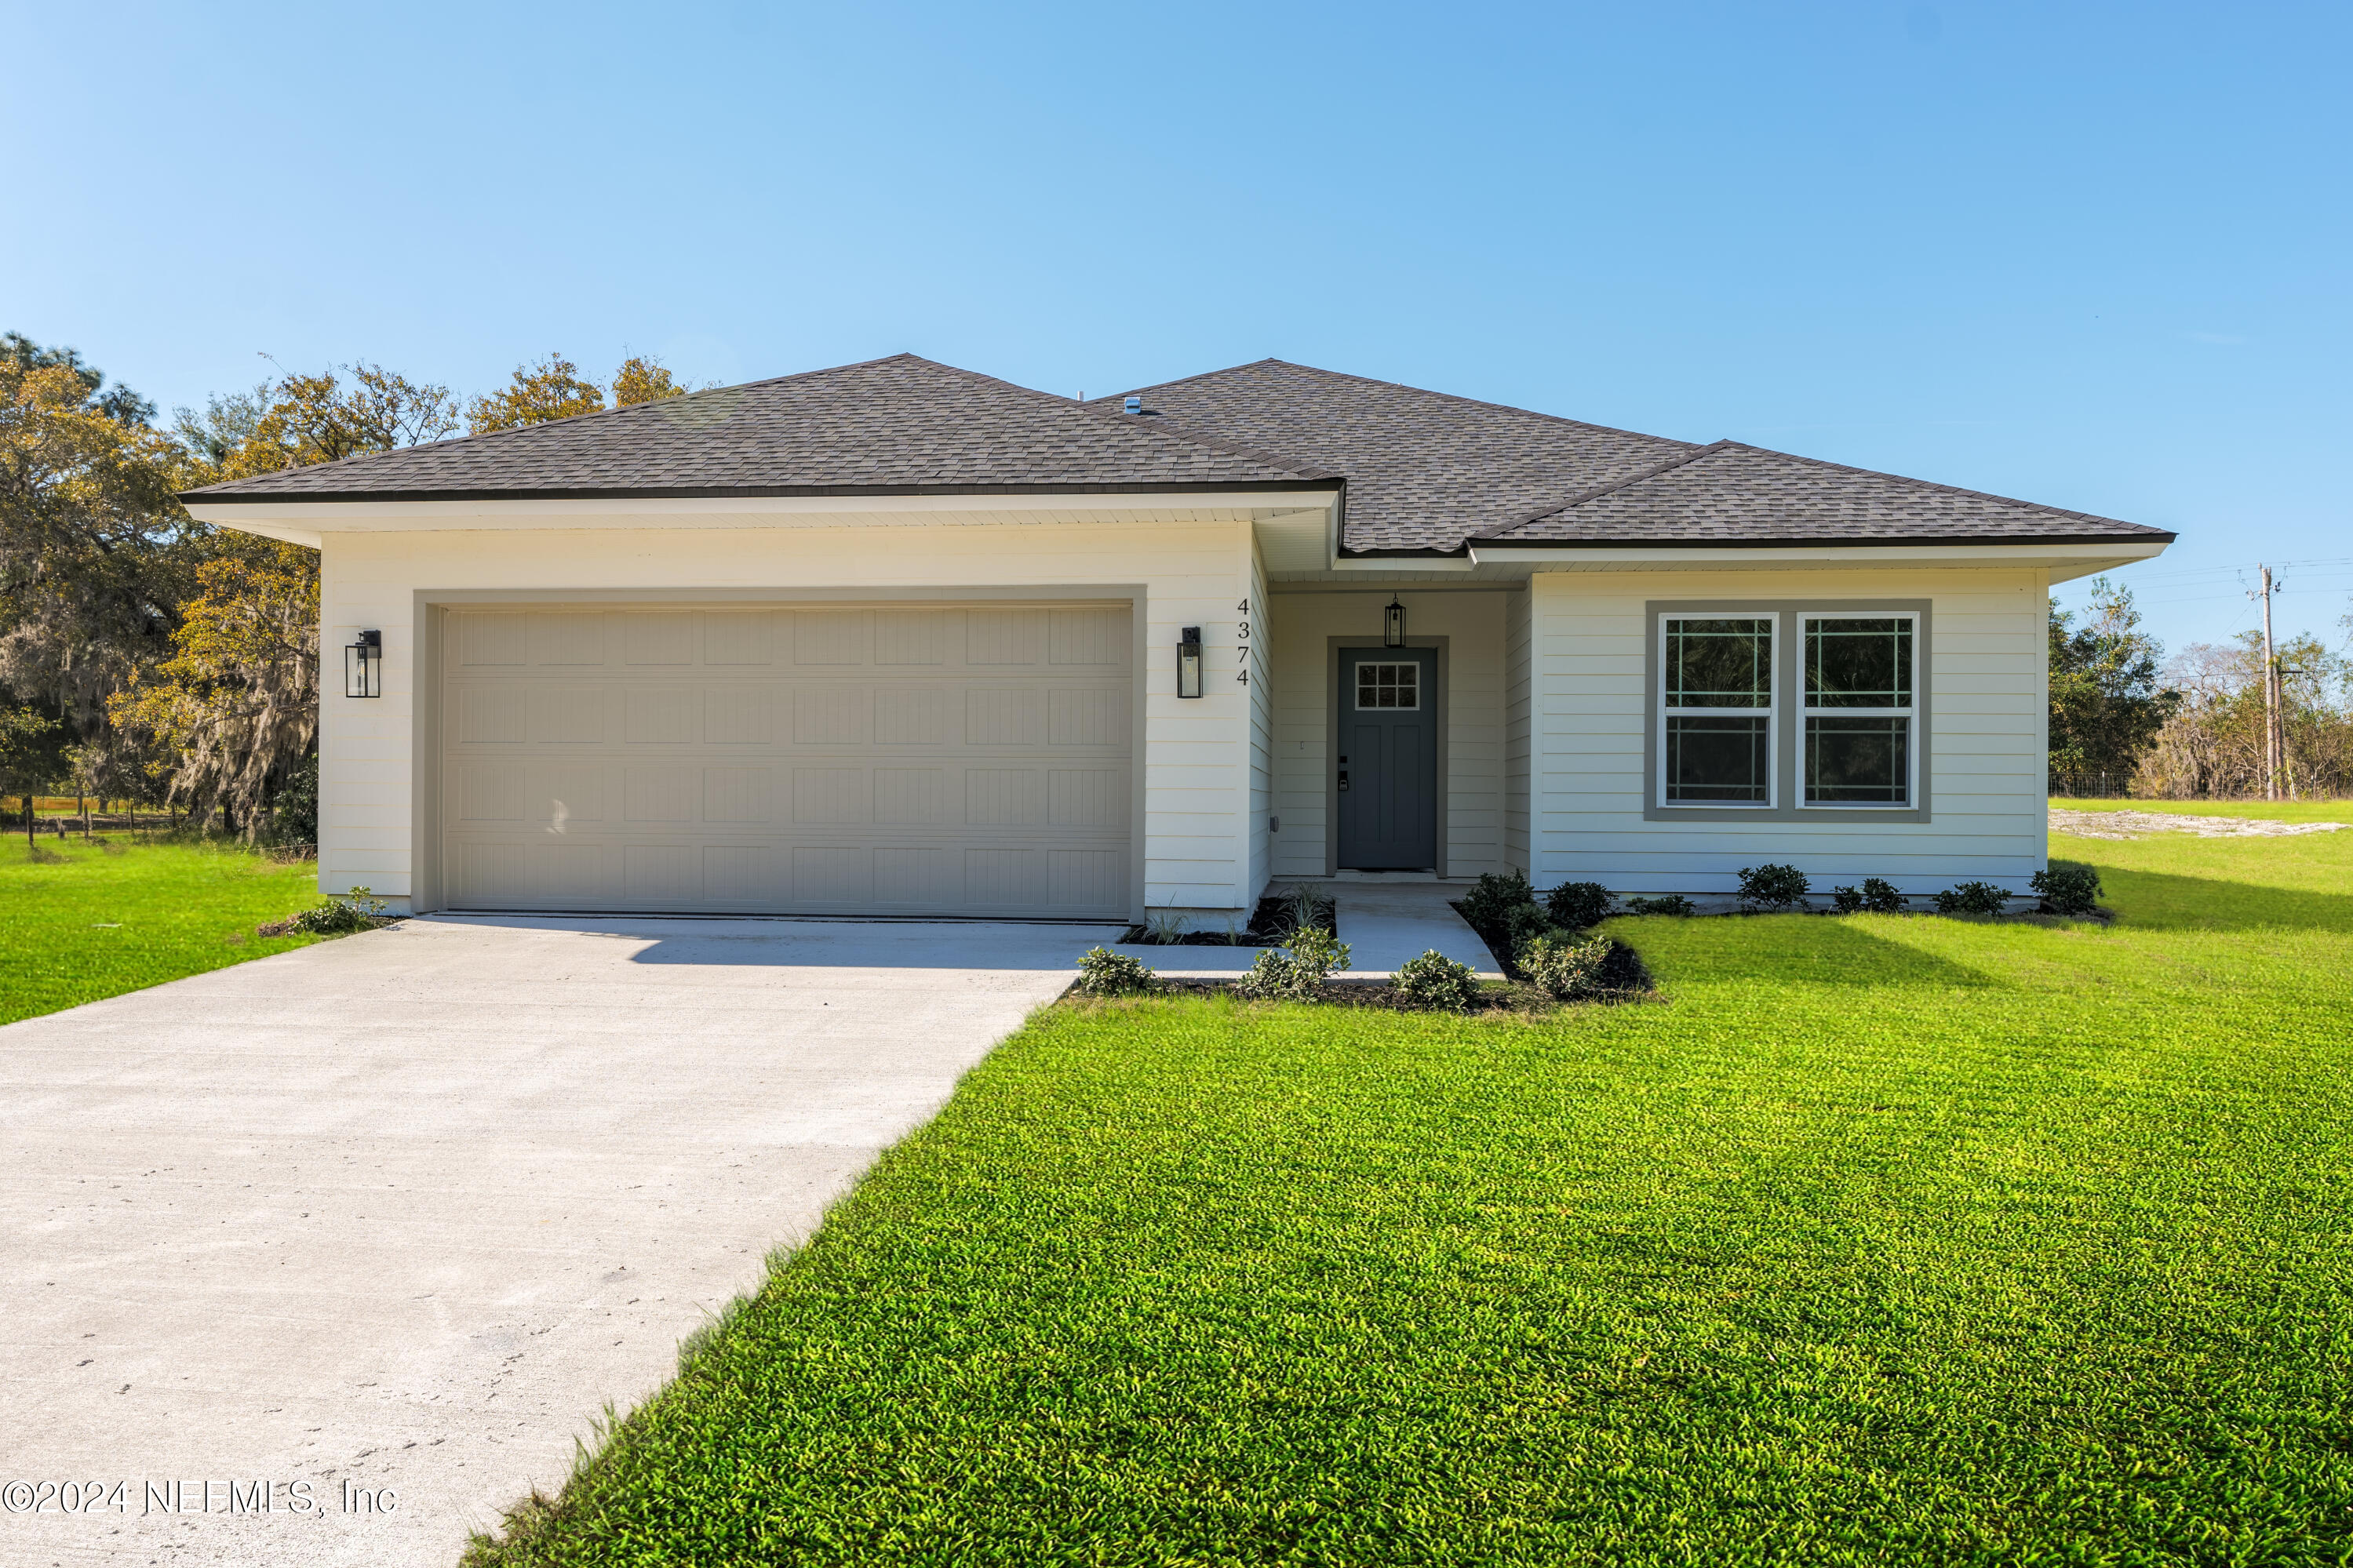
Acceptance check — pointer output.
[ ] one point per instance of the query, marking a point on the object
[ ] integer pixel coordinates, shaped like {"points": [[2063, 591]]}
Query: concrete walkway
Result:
{"points": [[1384, 921], [404, 1211]]}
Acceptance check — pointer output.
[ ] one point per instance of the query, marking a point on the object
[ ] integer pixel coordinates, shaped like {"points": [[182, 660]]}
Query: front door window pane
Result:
{"points": [[1388, 686]]}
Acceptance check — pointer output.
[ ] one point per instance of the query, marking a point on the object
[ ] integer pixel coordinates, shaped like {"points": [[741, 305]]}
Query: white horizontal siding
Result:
{"points": [[1984, 738]]}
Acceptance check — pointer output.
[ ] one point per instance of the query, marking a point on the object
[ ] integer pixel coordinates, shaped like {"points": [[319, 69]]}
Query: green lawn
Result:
{"points": [[106, 919], [1881, 1239]]}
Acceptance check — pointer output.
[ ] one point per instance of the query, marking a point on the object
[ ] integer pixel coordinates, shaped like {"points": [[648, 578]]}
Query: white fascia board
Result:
{"points": [[2064, 560], [282, 520]]}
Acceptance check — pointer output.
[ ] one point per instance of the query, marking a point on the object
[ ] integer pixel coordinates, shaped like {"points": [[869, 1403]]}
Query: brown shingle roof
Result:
{"points": [[1422, 471], [1429, 472], [1731, 493], [886, 427], [1426, 470]]}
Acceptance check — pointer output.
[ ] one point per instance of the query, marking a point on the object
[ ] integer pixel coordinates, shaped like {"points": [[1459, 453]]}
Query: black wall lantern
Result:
{"points": [[1393, 624], [364, 666], [1189, 663]]}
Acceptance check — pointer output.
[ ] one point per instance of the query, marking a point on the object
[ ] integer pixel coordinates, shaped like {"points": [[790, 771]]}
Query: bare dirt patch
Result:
{"points": [[2141, 824]]}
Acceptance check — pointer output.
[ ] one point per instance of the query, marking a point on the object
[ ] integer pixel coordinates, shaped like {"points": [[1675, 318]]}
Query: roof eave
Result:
{"points": [[218, 495]]}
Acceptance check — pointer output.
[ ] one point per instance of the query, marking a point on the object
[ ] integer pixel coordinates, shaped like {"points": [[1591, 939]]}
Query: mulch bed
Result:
{"points": [[1270, 926], [1489, 1000]]}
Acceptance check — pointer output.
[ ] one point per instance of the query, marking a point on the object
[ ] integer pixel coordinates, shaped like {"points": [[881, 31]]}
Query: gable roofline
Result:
{"points": [[2127, 531], [1303, 476]]}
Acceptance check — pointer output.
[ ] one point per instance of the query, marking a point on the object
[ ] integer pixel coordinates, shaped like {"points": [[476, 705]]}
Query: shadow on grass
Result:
{"points": [[1805, 949], [2159, 900]]}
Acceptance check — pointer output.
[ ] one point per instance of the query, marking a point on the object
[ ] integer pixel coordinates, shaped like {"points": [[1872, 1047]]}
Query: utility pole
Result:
{"points": [[2275, 736]]}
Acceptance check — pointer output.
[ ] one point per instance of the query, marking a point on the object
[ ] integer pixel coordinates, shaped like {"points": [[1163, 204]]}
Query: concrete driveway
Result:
{"points": [[405, 1210]]}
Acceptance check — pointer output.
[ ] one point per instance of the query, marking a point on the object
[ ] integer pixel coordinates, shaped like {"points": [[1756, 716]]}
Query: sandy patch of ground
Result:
{"points": [[2140, 824]]}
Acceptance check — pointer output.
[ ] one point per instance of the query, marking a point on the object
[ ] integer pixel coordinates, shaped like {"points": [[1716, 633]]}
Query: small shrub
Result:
{"points": [[1306, 907], [1771, 887], [2068, 888], [342, 914], [1102, 972], [1491, 901], [1434, 980], [1164, 928], [1579, 906], [1564, 968], [1664, 904], [1972, 899], [1297, 969], [1876, 896], [1522, 925]]}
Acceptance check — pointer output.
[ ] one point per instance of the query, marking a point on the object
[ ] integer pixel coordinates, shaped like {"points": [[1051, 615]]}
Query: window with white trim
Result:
{"points": [[1859, 712], [1716, 709]]}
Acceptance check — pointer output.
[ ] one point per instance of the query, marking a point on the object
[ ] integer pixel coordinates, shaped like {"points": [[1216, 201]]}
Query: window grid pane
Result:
{"points": [[1395, 686], [1858, 706], [1721, 760], [1861, 662], [1719, 663], [1854, 760]]}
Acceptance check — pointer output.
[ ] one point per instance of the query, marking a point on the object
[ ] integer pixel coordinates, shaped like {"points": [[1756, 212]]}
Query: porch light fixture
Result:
{"points": [[364, 666], [1393, 624], [1189, 663]]}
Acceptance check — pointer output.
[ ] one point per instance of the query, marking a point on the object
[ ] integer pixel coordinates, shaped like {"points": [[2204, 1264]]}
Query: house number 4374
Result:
{"points": [[1242, 633]]}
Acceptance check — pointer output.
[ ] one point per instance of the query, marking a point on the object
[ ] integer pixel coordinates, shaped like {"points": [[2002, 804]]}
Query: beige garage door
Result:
{"points": [[878, 760]]}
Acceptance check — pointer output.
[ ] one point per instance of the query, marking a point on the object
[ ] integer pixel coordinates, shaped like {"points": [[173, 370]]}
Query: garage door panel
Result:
{"points": [[738, 795], [996, 638], [1004, 716], [903, 760], [910, 637], [1006, 879], [666, 876], [912, 716], [911, 797], [567, 715], [736, 716], [563, 640], [661, 793], [830, 636], [1085, 878], [833, 716], [832, 877]]}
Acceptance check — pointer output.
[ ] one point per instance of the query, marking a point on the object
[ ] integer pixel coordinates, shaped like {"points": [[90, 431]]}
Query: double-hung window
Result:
{"points": [[1715, 724], [1860, 745]]}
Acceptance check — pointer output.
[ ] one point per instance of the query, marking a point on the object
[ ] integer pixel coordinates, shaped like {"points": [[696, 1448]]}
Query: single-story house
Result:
{"points": [[897, 639]]}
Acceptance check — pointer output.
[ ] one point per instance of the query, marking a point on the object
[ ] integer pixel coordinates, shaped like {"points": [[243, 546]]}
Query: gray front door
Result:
{"points": [[1388, 759]]}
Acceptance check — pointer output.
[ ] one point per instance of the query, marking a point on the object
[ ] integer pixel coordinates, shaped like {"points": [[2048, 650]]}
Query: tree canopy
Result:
{"points": [[2107, 701]]}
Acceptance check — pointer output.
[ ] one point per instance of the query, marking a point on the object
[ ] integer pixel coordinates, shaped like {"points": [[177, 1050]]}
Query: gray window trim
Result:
{"points": [[1789, 705]]}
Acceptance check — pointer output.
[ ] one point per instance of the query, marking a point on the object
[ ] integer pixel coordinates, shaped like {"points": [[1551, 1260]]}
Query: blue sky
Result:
{"points": [[2093, 255]]}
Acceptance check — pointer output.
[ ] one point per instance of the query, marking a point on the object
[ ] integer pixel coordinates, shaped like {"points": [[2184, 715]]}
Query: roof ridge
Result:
{"points": [[1401, 386], [1200, 375], [1598, 491], [1289, 465]]}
